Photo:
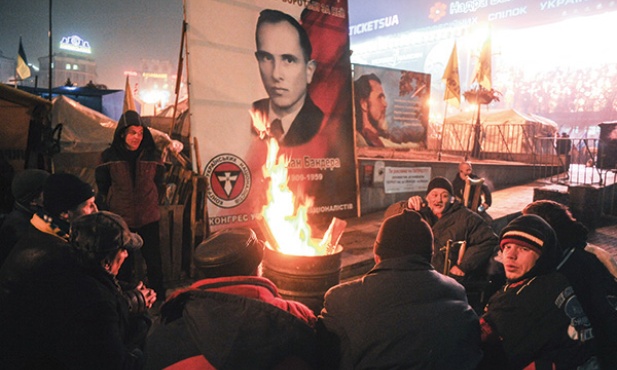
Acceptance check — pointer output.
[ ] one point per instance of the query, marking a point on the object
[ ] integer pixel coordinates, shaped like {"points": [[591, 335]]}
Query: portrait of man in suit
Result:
{"points": [[286, 69]]}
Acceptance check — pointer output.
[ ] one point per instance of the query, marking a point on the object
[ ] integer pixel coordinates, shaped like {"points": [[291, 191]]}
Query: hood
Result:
{"points": [[131, 118]]}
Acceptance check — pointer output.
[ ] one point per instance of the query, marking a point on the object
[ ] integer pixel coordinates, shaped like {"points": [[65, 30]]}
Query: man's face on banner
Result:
{"points": [[285, 72], [377, 105]]}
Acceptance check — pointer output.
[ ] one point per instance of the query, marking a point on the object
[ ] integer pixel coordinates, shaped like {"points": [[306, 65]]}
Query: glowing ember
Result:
{"points": [[288, 225]]}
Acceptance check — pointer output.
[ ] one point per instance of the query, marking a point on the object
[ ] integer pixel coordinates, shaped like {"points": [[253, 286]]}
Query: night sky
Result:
{"points": [[120, 32]]}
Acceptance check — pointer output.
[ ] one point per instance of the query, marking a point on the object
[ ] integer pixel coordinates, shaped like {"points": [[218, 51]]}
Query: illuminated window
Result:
{"points": [[68, 66], [75, 67]]}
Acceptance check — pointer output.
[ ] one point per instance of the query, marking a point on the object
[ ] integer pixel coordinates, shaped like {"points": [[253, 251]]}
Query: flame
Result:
{"points": [[287, 225]]}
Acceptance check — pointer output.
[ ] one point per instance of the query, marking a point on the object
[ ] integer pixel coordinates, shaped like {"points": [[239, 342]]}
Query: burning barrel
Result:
{"points": [[303, 278]]}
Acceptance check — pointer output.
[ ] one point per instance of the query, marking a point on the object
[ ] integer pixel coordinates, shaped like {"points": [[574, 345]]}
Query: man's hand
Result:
{"points": [[149, 294], [457, 271], [415, 203]]}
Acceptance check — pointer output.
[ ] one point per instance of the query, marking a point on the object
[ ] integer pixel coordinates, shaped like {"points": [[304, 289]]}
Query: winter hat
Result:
{"points": [[229, 252], [28, 184], [130, 118], [441, 183], [530, 231], [103, 232], [404, 234], [63, 192], [535, 233]]}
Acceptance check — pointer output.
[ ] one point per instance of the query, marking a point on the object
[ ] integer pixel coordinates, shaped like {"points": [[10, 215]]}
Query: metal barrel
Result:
{"points": [[303, 278]]}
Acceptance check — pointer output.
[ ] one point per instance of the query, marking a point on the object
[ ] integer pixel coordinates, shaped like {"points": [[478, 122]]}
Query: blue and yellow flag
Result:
{"points": [[23, 71]]}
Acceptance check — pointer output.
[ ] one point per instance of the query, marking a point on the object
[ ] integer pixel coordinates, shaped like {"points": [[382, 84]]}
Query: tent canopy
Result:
{"points": [[502, 117], [17, 110], [503, 132]]}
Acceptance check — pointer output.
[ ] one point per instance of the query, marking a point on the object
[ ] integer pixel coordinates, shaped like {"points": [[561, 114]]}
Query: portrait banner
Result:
{"points": [[271, 76], [391, 108]]}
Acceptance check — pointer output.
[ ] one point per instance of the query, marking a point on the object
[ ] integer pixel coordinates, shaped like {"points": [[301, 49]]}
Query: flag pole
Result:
{"points": [[50, 51], [443, 129], [452, 91], [178, 78]]}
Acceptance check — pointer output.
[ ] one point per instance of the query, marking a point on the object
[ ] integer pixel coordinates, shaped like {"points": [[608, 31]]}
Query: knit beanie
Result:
{"points": [[28, 184], [530, 231], [228, 252], [63, 192], [404, 234], [441, 183], [533, 232]]}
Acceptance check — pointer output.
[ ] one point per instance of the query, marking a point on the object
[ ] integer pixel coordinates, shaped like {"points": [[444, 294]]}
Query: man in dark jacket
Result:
{"points": [[473, 242], [231, 318], [27, 189], [458, 185], [535, 321], [65, 197], [130, 181], [402, 314], [584, 267], [70, 313]]}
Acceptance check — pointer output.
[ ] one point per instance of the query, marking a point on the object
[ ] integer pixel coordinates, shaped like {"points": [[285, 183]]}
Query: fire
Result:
{"points": [[288, 225]]}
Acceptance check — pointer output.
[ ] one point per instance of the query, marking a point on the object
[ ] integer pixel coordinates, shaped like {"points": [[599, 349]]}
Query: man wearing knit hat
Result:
{"points": [[75, 316], [451, 220], [535, 320], [27, 189], [231, 318], [402, 314], [44, 247], [65, 197]]}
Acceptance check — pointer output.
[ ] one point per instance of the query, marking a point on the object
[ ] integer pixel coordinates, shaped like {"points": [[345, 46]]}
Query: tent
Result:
{"points": [[108, 102], [505, 134], [21, 114]]}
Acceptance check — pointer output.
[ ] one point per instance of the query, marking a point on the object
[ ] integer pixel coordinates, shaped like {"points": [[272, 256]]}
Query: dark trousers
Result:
{"points": [[145, 264]]}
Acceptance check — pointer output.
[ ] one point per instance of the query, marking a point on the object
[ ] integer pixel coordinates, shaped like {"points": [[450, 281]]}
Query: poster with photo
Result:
{"points": [[391, 108], [269, 70]]}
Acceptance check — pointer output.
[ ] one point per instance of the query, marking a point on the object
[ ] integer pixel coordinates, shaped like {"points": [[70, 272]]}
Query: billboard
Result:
{"points": [[261, 70], [570, 82], [391, 108]]}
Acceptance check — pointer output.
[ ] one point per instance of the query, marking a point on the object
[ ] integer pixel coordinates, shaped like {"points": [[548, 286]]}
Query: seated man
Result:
{"points": [[402, 314], [588, 269], [536, 320], [451, 221], [72, 314], [231, 318], [27, 189], [458, 185]]}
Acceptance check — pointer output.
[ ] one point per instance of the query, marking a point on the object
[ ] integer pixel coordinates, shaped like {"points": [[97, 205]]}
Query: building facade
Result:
{"points": [[79, 69]]}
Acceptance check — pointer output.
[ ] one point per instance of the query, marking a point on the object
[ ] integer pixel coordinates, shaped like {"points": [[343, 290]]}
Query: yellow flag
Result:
{"points": [[484, 69], [129, 103], [452, 94], [23, 71]]}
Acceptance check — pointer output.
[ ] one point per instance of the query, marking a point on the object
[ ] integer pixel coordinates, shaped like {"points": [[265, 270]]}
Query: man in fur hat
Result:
{"points": [[73, 314]]}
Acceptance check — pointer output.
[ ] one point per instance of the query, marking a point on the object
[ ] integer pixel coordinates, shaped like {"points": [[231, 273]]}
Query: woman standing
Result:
{"points": [[130, 180]]}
